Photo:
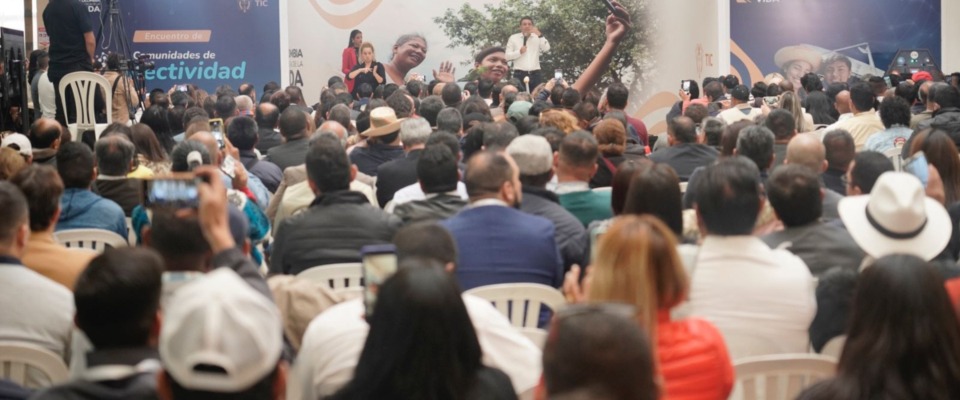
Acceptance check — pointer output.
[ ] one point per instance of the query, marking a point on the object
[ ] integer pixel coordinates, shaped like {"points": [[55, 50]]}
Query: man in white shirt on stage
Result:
{"points": [[524, 49]]}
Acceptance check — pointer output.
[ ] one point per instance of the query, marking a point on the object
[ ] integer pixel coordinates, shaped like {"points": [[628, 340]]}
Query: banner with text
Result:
{"points": [[838, 40], [207, 43], [652, 61]]}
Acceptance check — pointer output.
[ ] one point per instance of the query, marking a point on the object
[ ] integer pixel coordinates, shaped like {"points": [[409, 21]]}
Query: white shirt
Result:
{"points": [[530, 60], [47, 97], [35, 310], [761, 300], [735, 114], [334, 340], [414, 192]]}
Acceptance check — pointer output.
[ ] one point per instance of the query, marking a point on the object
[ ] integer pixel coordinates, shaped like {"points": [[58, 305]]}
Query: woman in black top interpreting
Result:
{"points": [[367, 71]]}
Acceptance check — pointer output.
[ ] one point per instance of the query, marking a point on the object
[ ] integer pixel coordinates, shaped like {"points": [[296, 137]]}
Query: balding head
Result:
{"points": [[807, 150], [45, 134], [333, 127], [210, 142], [493, 175], [843, 102], [244, 104]]}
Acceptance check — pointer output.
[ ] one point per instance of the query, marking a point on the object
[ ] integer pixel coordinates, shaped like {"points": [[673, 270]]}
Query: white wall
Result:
{"points": [[12, 14], [950, 35]]}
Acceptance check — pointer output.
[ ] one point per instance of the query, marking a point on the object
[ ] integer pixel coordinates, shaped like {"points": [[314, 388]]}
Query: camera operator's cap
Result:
{"points": [[383, 121], [897, 217], [220, 335], [741, 93], [19, 142], [532, 153]]}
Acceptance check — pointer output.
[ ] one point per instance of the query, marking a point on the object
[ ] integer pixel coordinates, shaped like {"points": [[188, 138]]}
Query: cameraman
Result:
{"points": [[72, 44], [125, 96]]}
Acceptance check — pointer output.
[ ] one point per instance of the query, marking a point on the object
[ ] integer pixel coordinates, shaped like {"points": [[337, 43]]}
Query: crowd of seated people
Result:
{"points": [[749, 228]]}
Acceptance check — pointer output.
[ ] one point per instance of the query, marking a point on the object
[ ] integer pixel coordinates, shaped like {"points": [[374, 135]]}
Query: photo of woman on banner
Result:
{"points": [[351, 55], [796, 61], [408, 53], [368, 71]]}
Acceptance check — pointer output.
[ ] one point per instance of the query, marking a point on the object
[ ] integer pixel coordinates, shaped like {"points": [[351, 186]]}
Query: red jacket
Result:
{"points": [[349, 60], [693, 360]]}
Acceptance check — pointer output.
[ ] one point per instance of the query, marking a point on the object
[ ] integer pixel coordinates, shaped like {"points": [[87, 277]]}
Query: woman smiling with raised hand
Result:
{"points": [[408, 53]]}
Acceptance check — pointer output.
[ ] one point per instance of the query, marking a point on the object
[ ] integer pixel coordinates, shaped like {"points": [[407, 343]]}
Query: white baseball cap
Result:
{"points": [[220, 335], [22, 142]]}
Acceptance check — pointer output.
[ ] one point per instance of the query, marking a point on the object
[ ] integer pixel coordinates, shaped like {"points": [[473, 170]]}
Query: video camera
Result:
{"points": [[141, 64]]}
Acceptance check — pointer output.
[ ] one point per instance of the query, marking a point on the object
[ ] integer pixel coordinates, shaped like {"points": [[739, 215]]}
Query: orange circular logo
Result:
{"points": [[344, 21]]}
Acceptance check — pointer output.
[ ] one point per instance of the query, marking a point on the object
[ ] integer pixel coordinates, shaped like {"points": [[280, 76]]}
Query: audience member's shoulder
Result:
{"points": [[36, 282]]}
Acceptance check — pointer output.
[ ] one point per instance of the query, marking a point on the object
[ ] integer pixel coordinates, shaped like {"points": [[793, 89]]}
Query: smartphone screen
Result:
{"points": [[558, 74], [182, 88], [917, 166], [173, 193], [685, 85], [771, 101], [229, 166], [216, 128], [379, 263], [613, 10], [886, 80]]}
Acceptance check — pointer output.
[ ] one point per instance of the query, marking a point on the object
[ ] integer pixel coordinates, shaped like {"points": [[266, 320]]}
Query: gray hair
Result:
{"points": [[414, 131], [449, 120], [114, 155], [756, 143], [244, 103], [712, 129]]}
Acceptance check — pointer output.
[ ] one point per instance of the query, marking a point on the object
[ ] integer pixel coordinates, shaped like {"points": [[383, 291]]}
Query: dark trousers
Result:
{"points": [[535, 78]]}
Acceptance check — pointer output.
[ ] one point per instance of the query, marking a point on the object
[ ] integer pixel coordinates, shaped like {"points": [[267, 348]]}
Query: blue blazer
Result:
{"points": [[503, 245]]}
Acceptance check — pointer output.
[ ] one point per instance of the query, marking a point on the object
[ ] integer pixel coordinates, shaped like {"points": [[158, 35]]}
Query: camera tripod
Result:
{"points": [[112, 37]]}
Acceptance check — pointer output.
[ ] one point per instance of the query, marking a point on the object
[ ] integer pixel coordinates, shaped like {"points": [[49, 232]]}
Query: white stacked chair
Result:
{"points": [[17, 358], [85, 86], [779, 376], [90, 239], [520, 302]]}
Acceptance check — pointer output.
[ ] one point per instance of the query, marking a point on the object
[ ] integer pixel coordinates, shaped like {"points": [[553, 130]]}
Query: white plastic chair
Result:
{"points": [[85, 86], [536, 335], [834, 347], [338, 276], [780, 376], [893, 154], [520, 302], [17, 357], [91, 239]]}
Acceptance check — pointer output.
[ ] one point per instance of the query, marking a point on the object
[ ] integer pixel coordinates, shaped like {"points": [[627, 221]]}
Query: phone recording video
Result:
{"points": [[216, 128], [685, 86], [918, 167], [182, 88], [558, 75], [172, 192], [379, 263]]}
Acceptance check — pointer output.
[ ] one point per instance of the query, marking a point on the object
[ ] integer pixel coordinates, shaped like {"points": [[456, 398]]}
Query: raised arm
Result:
{"points": [[617, 29]]}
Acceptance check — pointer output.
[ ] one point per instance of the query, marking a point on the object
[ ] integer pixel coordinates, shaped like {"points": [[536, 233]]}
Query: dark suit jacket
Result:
{"points": [[685, 157], [502, 245], [395, 175], [269, 139], [289, 154]]}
